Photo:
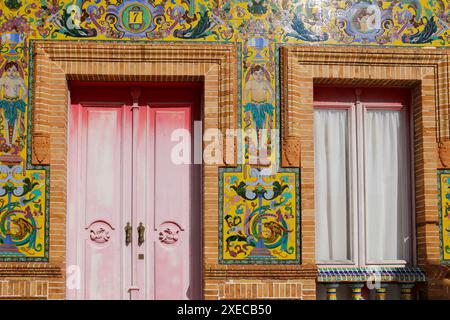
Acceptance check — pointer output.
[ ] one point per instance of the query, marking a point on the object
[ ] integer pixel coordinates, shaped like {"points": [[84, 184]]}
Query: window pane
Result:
{"points": [[387, 186], [332, 185]]}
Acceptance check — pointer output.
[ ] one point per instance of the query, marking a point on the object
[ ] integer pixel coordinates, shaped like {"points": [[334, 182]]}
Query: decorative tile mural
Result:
{"points": [[444, 214], [23, 223], [268, 199], [259, 220]]}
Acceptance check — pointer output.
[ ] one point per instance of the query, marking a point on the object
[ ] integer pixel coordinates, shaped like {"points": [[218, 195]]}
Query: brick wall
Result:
{"points": [[261, 289], [24, 289]]}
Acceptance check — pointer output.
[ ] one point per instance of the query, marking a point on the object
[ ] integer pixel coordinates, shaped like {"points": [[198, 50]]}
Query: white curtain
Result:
{"points": [[331, 185], [387, 186]]}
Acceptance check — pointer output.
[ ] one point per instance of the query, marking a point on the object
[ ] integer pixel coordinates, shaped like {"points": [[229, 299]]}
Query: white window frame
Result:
{"points": [[356, 121]]}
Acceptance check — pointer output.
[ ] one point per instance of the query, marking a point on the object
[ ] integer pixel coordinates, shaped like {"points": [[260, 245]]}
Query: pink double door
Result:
{"points": [[131, 232]]}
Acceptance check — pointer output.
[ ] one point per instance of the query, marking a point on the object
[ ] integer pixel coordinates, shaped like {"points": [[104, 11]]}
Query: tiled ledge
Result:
{"points": [[385, 274]]}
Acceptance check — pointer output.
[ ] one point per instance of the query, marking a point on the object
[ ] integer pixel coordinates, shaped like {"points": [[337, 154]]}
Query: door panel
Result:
{"points": [[167, 213], [99, 200], [172, 206], [121, 171]]}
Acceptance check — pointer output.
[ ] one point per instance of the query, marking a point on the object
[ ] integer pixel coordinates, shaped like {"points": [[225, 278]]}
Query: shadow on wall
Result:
{"points": [[440, 274]]}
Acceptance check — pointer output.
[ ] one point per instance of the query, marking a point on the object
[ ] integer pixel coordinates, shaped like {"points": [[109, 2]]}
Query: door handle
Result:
{"points": [[141, 230], [128, 234]]}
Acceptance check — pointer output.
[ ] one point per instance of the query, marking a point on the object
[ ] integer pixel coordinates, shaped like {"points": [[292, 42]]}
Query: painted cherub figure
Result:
{"points": [[258, 101], [12, 100]]}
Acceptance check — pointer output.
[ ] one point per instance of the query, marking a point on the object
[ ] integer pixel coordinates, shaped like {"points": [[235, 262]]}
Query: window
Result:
{"points": [[363, 183]]}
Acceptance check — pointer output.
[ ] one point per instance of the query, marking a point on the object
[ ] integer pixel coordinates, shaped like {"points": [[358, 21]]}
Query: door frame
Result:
{"points": [[56, 63]]}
